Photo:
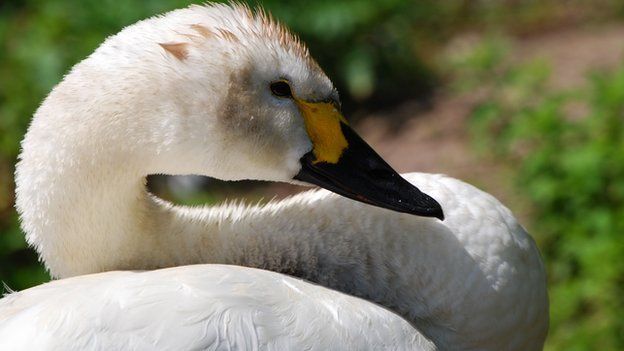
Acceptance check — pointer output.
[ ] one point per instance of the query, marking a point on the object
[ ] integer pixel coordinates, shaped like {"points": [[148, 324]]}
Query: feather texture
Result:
{"points": [[199, 307]]}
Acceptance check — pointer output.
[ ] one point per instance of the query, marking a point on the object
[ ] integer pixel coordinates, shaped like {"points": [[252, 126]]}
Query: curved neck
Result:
{"points": [[84, 218], [84, 221], [94, 214]]}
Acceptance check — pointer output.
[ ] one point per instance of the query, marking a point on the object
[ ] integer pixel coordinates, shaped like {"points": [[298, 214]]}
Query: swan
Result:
{"points": [[223, 91]]}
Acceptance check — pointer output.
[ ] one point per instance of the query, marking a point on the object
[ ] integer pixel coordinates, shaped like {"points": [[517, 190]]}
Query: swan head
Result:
{"points": [[222, 91]]}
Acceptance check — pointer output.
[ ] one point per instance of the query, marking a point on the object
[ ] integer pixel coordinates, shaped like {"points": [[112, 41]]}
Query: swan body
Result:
{"points": [[199, 307], [192, 92]]}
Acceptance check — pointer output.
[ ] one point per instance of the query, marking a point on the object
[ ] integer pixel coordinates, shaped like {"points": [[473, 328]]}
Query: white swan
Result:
{"points": [[219, 91]]}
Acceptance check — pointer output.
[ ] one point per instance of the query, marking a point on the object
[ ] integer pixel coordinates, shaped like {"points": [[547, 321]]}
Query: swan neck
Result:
{"points": [[80, 219]]}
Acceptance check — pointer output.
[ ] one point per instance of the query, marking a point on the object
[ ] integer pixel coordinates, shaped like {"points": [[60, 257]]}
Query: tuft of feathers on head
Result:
{"points": [[179, 50], [237, 23]]}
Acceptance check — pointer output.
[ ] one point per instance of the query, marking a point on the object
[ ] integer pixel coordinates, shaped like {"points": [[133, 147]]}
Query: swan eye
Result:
{"points": [[281, 88]]}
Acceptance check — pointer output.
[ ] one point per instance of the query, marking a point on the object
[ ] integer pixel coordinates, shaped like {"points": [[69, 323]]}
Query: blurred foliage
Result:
{"points": [[569, 165], [566, 149]]}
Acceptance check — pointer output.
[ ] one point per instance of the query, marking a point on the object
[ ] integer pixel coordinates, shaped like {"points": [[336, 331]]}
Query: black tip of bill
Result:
{"points": [[361, 174]]}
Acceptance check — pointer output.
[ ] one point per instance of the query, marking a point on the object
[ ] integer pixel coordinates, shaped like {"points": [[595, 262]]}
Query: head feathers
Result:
{"points": [[237, 24]]}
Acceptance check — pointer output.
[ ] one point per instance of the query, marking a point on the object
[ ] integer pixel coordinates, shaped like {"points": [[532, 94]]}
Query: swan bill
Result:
{"points": [[359, 173]]}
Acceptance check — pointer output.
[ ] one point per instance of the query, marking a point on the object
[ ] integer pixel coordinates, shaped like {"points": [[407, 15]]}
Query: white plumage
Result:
{"points": [[187, 93], [197, 307]]}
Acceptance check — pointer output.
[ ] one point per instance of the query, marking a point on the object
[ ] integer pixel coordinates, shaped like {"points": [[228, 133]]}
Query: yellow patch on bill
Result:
{"points": [[322, 122]]}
